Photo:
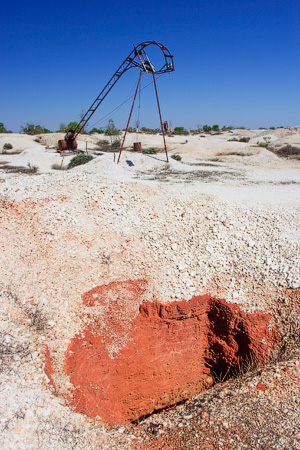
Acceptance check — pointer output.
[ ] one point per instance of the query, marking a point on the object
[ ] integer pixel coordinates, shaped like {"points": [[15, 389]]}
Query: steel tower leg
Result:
{"points": [[161, 124], [129, 116]]}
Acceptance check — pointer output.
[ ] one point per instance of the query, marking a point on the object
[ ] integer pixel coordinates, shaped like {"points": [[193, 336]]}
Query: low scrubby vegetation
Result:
{"points": [[266, 142], [79, 160], [150, 151], [57, 166], [241, 139], [233, 153], [176, 157], [287, 151], [150, 130], [32, 167], [7, 146]]}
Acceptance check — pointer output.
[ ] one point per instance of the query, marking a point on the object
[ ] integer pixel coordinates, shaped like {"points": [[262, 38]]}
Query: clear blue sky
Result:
{"points": [[236, 62]]}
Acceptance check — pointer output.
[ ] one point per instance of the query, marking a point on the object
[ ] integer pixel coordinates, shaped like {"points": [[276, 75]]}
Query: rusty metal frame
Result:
{"points": [[130, 114], [161, 123], [136, 91], [137, 58]]}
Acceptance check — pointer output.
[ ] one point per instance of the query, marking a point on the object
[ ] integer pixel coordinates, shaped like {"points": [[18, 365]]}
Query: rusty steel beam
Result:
{"points": [[137, 58], [130, 116], [161, 123]]}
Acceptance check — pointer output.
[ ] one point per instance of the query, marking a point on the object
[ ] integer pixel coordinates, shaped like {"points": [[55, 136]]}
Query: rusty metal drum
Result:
{"points": [[62, 145], [137, 146]]}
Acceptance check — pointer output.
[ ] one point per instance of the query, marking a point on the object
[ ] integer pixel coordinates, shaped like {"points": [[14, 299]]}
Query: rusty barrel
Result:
{"points": [[62, 145], [67, 145], [137, 146]]}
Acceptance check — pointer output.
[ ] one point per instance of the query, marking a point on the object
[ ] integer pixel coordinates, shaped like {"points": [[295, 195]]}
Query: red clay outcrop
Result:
{"points": [[169, 354]]}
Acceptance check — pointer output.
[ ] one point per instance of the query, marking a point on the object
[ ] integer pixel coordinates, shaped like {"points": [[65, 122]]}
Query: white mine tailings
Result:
{"points": [[114, 263]]}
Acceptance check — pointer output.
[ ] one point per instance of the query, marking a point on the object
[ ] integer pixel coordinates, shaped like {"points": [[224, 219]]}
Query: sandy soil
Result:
{"points": [[223, 221]]}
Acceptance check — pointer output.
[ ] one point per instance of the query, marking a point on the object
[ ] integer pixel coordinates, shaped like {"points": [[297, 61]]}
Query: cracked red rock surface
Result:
{"points": [[169, 356]]}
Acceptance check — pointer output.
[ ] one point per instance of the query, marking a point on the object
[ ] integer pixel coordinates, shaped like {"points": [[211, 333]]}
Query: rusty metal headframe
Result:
{"points": [[137, 58]]}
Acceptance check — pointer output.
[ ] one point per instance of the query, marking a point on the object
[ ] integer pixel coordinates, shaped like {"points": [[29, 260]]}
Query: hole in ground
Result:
{"points": [[169, 353]]}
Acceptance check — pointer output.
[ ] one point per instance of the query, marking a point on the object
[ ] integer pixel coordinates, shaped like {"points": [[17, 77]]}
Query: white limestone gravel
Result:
{"points": [[64, 232]]}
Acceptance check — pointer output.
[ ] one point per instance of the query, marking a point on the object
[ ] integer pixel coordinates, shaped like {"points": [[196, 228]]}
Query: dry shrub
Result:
{"points": [[287, 151]]}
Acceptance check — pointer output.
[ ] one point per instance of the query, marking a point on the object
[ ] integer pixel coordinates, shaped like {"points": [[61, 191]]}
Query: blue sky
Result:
{"points": [[236, 63]]}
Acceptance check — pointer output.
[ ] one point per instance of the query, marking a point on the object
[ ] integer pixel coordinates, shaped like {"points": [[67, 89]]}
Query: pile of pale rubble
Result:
{"points": [[65, 233]]}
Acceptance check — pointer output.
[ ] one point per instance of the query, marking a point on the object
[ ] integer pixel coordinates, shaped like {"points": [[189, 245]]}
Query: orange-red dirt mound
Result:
{"points": [[169, 355]]}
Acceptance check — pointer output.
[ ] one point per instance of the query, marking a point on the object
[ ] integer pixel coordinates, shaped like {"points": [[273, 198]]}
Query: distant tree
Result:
{"points": [[3, 129], [206, 128], [96, 130], [130, 130], [215, 128], [62, 128], [113, 132], [179, 129], [111, 129], [32, 129], [72, 126]]}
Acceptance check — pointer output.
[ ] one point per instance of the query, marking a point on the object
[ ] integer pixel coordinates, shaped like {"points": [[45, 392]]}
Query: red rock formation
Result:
{"points": [[169, 353]]}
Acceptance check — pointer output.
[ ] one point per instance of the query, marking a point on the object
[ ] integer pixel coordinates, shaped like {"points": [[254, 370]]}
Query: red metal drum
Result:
{"points": [[62, 145], [137, 146]]}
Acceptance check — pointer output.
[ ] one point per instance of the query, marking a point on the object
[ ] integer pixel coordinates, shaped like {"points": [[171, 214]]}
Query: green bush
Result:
{"points": [[79, 159], [96, 130], [150, 151], [206, 128], [7, 146], [181, 131], [244, 139], [215, 128], [177, 157]]}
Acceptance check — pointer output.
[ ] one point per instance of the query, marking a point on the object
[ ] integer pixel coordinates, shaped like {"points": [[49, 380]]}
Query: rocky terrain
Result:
{"points": [[151, 305]]}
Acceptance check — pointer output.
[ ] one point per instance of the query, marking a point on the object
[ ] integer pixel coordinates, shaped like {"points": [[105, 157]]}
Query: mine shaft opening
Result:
{"points": [[232, 349], [173, 351]]}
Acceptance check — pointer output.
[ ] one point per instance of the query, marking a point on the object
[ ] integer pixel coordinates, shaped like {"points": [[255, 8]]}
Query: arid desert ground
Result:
{"points": [[151, 304]]}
